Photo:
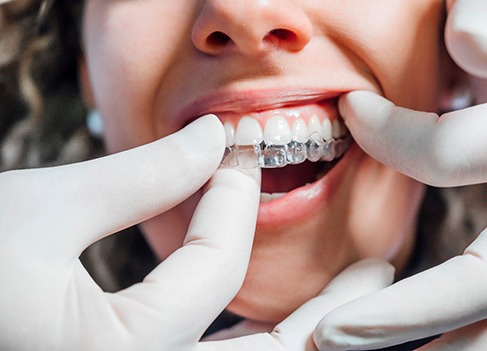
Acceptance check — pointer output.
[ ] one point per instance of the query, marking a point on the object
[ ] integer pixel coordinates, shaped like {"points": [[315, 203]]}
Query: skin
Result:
{"points": [[147, 60]]}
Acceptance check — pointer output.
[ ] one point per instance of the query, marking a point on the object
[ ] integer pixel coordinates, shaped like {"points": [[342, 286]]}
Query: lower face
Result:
{"points": [[150, 77]]}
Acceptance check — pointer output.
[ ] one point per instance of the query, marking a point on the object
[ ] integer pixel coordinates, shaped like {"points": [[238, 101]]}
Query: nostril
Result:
{"points": [[281, 34], [217, 39]]}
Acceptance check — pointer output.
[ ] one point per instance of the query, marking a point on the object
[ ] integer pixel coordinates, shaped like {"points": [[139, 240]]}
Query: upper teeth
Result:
{"points": [[278, 132]]}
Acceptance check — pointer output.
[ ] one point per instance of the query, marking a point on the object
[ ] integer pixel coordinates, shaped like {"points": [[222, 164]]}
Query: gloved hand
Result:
{"points": [[49, 216], [448, 151]]}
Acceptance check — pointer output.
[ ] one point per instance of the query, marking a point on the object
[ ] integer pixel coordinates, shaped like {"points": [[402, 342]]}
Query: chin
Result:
{"points": [[297, 251], [294, 259]]}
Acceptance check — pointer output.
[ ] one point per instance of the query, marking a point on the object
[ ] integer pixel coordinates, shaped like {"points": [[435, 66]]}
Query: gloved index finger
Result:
{"points": [[440, 151], [193, 285]]}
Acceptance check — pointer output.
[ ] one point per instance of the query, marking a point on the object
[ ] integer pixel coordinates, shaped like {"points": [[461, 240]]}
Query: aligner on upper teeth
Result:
{"points": [[278, 145], [275, 156]]}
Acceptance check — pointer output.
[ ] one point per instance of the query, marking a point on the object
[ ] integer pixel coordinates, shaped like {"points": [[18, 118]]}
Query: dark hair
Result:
{"points": [[41, 111]]}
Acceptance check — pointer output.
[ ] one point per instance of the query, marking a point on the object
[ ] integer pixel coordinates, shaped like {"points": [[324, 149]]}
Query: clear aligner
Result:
{"points": [[295, 152]]}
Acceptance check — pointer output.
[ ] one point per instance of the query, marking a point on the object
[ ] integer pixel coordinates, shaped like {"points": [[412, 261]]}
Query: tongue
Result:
{"points": [[281, 180]]}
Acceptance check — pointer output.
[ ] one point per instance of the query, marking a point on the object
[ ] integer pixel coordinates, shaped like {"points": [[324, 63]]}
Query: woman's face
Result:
{"points": [[155, 65]]}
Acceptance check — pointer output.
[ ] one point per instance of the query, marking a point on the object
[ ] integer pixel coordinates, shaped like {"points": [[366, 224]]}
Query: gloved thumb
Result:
{"points": [[466, 36]]}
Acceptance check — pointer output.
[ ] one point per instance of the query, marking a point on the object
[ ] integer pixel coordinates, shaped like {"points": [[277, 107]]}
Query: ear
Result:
{"points": [[85, 84]]}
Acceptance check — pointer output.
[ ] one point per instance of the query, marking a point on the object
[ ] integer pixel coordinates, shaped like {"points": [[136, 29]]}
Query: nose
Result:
{"points": [[251, 26]]}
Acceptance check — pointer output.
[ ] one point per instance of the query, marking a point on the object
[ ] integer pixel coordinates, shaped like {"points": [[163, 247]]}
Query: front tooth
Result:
{"points": [[265, 197], [314, 128], [277, 131], [335, 127], [248, 132], [300, 131], [326, 129], [230, 133]]}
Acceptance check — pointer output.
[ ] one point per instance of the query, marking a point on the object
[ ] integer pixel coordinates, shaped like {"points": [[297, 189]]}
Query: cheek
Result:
{"points": [[418, 83], [127, 59], [406, 58], [384, 212]]}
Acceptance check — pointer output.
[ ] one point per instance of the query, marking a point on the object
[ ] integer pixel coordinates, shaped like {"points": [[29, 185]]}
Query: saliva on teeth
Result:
{"points": [[279, 145]]}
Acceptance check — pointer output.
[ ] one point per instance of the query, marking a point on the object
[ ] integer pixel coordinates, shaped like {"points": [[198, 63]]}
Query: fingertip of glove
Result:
{"points": [[466, 37], [360, 104], [385, 267], [207, 132], [374, 267], [248, 179], [325, 337], [346, 103], [207, 128]]}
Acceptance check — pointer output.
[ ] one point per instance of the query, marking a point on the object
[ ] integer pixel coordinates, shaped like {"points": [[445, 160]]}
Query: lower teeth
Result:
{"points": [[265, 197], [275, 156]]}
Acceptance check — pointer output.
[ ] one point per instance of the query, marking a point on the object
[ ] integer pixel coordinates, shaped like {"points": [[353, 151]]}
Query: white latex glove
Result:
{"points": [[440, 300], [49, 216], [448, 151], [466, 35]]}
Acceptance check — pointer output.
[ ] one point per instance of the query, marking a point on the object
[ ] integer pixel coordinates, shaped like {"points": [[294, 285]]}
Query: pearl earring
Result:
{"points": [[94, 122]]}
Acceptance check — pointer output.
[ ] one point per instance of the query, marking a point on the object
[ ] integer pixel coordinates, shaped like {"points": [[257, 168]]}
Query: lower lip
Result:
{"points": [[303, 202]]}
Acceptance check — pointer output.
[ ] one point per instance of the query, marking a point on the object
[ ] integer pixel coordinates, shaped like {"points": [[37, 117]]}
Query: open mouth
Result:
{"points": [[276, 183], [294, 145]]}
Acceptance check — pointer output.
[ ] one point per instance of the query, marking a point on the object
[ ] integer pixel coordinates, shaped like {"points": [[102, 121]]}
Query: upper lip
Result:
{"points": [[252, 101]]}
